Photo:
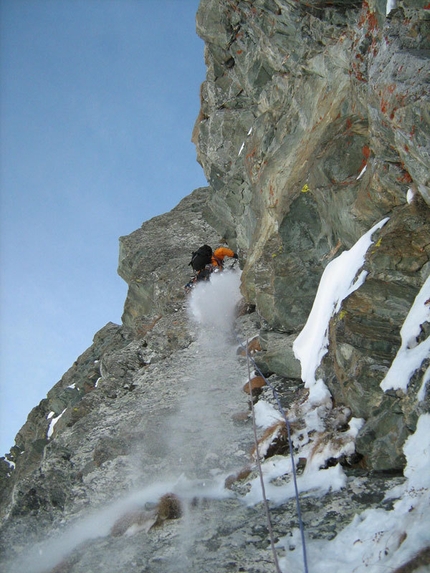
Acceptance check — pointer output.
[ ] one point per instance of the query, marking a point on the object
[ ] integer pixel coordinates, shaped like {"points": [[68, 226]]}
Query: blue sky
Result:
{"points": [[97, 103]]}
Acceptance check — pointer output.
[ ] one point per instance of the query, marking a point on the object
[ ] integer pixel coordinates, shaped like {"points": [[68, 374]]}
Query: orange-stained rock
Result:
{"points": [[256, 384]]}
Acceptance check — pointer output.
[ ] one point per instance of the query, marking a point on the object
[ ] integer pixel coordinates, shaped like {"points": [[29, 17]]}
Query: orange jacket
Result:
{"points": [[219, 255]]}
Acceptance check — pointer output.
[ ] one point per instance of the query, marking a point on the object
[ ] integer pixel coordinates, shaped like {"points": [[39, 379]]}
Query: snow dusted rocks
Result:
{"points": [[314, 137]]}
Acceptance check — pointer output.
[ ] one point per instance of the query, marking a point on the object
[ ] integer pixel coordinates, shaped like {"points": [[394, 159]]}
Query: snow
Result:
{"points": [[391, 4], [243, 144], [50, 416], [422, 390], [411, 354], [315, 478], [216, 318], [319, 482], [417, 452], [10, 463], [377, 540], [410, 195], [266, 414], [362, 172], [337, 282]]}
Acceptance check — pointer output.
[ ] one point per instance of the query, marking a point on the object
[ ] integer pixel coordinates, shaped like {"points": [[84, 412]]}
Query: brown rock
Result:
{"points": [[255, 385]]}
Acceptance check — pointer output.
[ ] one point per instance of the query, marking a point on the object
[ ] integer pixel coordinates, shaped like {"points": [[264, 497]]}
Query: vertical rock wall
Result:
{"points": [[314, 125]]}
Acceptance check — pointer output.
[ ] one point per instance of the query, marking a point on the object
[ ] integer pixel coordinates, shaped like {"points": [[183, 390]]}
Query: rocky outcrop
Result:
{"points": [[314, 127]]}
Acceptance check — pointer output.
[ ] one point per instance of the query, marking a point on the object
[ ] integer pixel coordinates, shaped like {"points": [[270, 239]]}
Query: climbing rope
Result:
{"points": [[249, 359], [260, 470]]}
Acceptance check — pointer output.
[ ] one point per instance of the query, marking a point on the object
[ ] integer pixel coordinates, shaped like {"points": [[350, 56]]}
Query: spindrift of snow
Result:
{"points": [[202, 429], [203, 441]]}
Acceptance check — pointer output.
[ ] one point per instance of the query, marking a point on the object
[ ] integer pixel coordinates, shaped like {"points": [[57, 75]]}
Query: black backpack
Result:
{"points": [[201, 258]]}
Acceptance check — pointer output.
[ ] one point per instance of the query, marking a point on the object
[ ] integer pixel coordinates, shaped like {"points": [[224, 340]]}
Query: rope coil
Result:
{"points": [[249, 359]]}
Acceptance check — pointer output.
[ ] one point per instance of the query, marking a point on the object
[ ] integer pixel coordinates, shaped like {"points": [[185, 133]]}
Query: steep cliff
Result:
{"points": [[314, 128], [301, 98]]}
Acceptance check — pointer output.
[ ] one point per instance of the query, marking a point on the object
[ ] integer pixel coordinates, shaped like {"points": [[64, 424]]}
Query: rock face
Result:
{"points": [[299, 99], [314, 126]]}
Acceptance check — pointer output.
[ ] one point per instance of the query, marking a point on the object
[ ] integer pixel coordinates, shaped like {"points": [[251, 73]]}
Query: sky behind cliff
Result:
{"points": [[98, 101]]}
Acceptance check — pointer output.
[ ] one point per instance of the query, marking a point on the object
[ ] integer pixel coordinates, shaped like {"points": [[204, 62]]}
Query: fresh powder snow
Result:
{"points": [[338, 281], [411, 353]]}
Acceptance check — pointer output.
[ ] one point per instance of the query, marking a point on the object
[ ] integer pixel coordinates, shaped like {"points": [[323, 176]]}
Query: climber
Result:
{"points": [[204, 262], [220, 254]]}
